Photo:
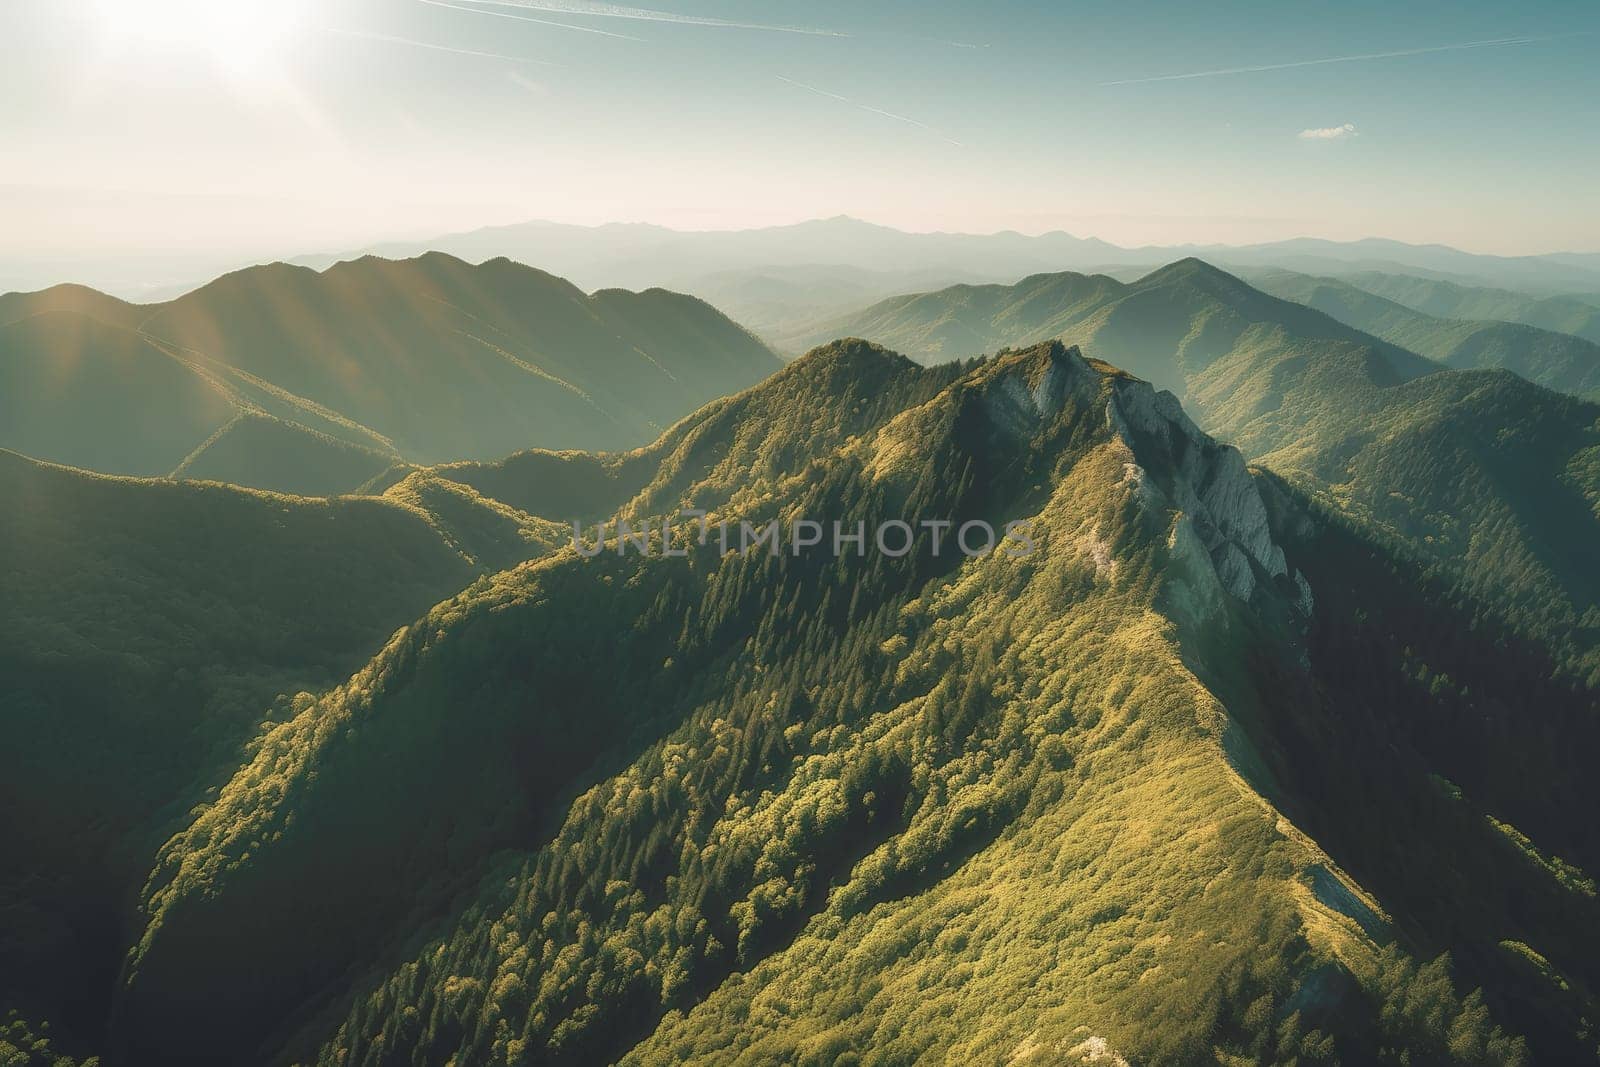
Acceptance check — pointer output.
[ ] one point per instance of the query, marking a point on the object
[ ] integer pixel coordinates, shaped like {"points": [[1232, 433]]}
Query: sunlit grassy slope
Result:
{"points": [[453, 361], [283, 378], [263, 452], [92, 395], [78, 299], [1207, 777]]}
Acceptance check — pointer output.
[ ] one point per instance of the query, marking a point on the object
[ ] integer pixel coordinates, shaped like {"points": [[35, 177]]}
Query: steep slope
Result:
{"points": [[262, 452], [1484, 474], [82, 392], [146, 628], [1555, 360], [1177, 322], [1574, 315], [813, 805], [451, 361], [1442, 755], [285, 379]]}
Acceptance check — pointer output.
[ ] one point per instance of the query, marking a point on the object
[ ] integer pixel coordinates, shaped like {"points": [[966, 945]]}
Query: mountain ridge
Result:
{"points": [[898, 760], [427, 360], [1557, 360]]}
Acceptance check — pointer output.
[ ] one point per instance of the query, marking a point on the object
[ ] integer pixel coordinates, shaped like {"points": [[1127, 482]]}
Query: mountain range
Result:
{"points": [[666, 795], [1273, 745], [765, 276], [1297, 384], [1174, 322], [284, 378], [1578, 316], [1562, 361], [640, 254]]}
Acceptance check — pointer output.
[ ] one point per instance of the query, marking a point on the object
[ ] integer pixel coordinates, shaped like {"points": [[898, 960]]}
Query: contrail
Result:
{"points": [[875, 110], [390, 39], [525, 18], [1497, 42], [642, 14]]}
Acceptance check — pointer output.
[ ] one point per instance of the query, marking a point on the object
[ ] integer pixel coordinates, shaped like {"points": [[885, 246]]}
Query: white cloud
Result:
{"points": [[1330, 133]]}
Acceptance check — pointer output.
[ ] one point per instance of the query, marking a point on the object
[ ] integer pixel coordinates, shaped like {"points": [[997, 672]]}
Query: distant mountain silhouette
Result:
{"points": [[342, 372]]}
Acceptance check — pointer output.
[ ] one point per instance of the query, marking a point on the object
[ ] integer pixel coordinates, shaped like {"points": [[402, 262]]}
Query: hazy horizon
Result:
{"points": [[255, 130]]}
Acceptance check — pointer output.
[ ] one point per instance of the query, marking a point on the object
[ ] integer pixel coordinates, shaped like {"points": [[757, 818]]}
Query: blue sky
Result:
{"points": [[285, 127]]}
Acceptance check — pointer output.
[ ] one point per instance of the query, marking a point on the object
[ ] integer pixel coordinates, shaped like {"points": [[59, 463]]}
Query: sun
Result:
{"points": [[238, 35]]}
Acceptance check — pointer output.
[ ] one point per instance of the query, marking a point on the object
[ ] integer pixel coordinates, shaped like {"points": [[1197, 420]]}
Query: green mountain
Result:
{"points": [[1170, 326], [266, 452], [451, 361], [283, 378], [100, 396], [1206, 768], [1492, 479], [113, 399], [78, 299], [147, 628], [1575, 315], [1481, 473], [1557, 360]]}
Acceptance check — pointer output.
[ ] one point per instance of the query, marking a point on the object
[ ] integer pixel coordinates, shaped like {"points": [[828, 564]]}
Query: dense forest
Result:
{"points": [[1273, 748], [740, 806]]}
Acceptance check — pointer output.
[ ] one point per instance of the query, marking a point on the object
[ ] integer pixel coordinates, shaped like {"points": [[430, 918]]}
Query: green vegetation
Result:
{"points": [[1286, 764], [1556, 360], [1492, 479], [1575, 315], [148, 628], [451, 361], [1168, 326], [282, 378], [807, 808], [78, 391], [1489, 478], [263, 452], [21, 1046]]}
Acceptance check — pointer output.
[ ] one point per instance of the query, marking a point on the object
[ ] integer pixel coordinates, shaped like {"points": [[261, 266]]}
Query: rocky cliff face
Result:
{"points": [[1219, 529]]}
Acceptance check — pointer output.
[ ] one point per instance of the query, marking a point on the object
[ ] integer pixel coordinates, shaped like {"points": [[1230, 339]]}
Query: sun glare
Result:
{"points": [[238, 35]]}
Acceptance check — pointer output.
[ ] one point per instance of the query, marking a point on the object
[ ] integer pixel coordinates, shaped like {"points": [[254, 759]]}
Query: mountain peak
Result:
{"points": [[853, 355], [1191, 269]]}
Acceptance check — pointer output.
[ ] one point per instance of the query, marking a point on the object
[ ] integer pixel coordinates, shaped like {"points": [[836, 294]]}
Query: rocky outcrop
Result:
{"points": [[1206, 481], [1221, 534]]}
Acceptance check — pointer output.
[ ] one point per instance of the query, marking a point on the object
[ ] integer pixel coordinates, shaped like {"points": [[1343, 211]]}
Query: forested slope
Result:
{"points": [[146, 628], [1555, 360], [1167, 326], [1015, 807], [1577, 315]]}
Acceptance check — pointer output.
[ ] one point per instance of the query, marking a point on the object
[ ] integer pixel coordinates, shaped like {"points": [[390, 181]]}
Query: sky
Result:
{"points": [[286, 127]]}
